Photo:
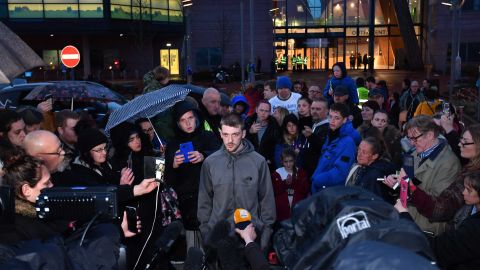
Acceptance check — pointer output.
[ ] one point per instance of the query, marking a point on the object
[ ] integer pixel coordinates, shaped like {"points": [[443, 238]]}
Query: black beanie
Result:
{"points": [[180, 108], [89, 138]]}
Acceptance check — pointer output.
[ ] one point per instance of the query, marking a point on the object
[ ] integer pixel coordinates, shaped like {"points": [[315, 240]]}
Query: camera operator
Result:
{"points": [[28, 177]]}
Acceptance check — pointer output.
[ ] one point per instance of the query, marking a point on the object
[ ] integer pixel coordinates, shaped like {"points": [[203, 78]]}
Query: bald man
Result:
{"points": [[210, 108], [45, 146]]}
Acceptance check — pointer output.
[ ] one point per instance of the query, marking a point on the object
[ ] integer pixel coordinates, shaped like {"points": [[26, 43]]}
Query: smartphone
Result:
{"points": [[47, 97], [408, 166], [446, 109], [131, 218], [184, 149], [404, 192], [129, 161]]}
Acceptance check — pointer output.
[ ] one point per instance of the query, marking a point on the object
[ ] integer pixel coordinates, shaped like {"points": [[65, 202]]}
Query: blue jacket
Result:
{"points": [[347, 82], [336, 159]]}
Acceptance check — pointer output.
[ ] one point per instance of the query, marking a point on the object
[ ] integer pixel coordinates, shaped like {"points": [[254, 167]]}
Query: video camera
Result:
{"points": [[77, 203], [7, 205]]}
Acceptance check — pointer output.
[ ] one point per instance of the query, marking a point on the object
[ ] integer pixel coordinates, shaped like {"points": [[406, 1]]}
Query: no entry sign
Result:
{"points": [[70, 56]]}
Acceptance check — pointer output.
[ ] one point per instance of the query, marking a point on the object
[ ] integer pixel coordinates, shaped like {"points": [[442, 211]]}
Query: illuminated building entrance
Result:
{"points": [[315, 34]]}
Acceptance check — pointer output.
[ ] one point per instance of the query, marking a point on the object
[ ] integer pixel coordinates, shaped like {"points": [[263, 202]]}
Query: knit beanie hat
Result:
{"points": [[284, 82], [89, 138]]}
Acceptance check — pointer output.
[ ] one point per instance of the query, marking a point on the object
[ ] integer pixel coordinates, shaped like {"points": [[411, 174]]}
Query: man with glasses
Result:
{"points": [[435, 166], [235, 177], [410, 99], [314, 92], [147, 128], [46, 146]]}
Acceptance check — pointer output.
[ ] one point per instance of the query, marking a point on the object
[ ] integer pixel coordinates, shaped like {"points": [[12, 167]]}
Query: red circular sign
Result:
{"points": [[70, 56]]}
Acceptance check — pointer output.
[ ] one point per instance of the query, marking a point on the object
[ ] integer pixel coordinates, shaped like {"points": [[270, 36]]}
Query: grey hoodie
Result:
{"points": [[230, 181]]}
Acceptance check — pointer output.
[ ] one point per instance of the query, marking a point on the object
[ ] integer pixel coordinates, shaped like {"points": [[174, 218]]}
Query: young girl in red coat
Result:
{"points": [[290, 185]]}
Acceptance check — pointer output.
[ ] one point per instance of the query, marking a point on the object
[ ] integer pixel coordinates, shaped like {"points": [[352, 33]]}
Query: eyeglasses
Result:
{"points": [[104, 149], [463, 143], [60, 152], [415, 138]]}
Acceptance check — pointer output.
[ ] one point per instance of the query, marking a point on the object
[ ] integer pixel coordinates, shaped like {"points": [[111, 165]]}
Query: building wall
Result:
{"points": [[441, 35], [216, 24]]}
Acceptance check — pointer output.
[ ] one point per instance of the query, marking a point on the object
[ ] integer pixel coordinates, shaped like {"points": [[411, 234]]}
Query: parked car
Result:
{"points": [[13, 97]]}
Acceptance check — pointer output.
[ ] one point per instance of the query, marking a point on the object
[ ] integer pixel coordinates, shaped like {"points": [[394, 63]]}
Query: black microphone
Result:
{"points": [[165, 242], [169, 235], [195, 259]]}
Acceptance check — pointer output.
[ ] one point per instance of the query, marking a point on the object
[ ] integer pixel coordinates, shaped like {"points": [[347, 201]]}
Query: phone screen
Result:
{"points": [[131, 218], [185, 148]]}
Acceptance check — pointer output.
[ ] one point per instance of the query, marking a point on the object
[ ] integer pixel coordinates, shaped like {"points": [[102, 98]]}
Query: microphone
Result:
{"points": [[165, 242], [195, 259], [242, 218], [169, 235]]}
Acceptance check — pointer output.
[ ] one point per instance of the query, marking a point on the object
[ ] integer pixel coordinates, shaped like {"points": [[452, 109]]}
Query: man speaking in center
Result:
{"points": [[235, 177]]}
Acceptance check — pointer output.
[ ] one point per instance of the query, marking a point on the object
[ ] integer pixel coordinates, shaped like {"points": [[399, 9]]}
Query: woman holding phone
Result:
{"points": [[184, 157], [458, 248]]}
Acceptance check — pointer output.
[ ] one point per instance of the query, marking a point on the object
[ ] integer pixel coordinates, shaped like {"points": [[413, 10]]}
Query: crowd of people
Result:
{"points": [[270, 148]]}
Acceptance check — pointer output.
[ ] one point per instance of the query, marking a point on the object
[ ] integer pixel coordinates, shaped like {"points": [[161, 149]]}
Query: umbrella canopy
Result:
{"points": [[16, 56], [148, 105], [76, 90]]}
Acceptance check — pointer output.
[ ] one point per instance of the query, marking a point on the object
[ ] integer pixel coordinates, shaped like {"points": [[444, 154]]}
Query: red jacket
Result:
{"points": [[253, 96], [301, 190]]}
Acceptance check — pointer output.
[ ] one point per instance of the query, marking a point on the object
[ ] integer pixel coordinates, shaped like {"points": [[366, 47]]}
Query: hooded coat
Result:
{"points": [[338, 155], [346, 81], [240, 99], [229, 181], [185, 179]]}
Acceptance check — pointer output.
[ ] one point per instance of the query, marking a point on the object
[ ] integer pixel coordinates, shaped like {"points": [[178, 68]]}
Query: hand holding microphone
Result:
{"points": [[244, 226]]}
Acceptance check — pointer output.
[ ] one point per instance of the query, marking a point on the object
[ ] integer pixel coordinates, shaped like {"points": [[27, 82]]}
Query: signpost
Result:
{"points": [[70, 56]]}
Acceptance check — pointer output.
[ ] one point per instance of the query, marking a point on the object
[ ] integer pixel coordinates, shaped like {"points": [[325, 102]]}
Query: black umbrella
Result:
{"points": [[16, 56]]}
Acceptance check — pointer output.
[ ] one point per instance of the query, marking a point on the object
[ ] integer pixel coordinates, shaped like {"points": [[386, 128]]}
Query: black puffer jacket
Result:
{"points": [[185, 179]]}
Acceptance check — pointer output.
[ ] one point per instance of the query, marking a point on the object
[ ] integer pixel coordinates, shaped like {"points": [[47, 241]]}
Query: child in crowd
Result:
{"points": [[290, 184]]}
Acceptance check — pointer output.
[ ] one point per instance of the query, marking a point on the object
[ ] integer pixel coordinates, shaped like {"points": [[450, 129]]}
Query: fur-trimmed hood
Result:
{"points": [[25, 208]]}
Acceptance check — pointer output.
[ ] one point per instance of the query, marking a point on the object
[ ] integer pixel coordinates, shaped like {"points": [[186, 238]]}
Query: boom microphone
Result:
{"points": [[165, 242]]}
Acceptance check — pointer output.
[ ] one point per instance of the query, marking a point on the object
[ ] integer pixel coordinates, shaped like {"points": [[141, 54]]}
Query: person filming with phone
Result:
{"points": [[433, 166], [184, 157]]}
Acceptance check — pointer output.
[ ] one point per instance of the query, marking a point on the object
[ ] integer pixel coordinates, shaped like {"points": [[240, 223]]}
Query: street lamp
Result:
{"points": [[455, 64], [187, 5]]}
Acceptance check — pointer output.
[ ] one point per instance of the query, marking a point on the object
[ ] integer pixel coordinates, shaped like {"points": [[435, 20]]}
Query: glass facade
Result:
{"points": [[27, 9], [314, 34], [148, 10]]}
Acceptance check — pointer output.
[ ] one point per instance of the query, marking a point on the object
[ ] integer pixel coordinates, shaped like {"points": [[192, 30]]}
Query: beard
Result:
{"points": [[65, 164]]}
